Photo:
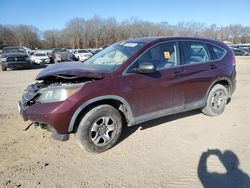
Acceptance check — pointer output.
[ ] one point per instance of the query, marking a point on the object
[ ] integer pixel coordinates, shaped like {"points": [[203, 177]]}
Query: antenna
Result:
{"points": [[196, 34]]}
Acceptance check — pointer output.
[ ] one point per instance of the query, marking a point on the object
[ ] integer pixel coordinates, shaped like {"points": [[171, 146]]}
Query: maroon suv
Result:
{"points": [[130, 82]]}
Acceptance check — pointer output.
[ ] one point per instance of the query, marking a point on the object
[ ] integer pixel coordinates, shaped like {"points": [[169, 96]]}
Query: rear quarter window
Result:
{"points": [[216, 52]]}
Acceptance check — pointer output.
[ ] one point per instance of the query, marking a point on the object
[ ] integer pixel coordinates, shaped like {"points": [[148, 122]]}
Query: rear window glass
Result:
{"points": [[216, 52]]}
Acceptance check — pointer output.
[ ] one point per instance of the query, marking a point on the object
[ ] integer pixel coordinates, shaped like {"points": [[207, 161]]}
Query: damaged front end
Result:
{"points": [[51, 101], [49, 92], [42, 93]]}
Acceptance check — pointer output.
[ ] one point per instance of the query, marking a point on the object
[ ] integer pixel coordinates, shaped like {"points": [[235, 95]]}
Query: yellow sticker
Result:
{"points": [[166, 55]]}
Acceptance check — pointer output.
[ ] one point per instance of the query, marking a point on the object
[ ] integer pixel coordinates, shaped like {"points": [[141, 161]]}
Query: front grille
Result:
{"points": [[23, 58]]}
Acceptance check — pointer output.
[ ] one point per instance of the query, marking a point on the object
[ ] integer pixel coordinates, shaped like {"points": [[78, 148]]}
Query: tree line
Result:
{"points": [[97, 31]]}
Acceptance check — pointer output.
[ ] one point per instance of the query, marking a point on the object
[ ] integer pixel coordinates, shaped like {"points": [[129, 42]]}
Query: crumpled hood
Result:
{"points": [[69, 69]]}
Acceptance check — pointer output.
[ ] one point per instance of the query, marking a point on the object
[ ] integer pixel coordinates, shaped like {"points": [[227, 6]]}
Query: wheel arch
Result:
{"points": [[223, 81], [116, 101]]}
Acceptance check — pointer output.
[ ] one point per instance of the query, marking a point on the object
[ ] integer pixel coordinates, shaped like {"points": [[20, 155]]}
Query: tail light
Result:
{"points": [[234, 61]]}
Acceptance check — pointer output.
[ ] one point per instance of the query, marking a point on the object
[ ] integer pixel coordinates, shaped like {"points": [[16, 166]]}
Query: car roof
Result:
{"points": [[154, 39], [12, 47]]}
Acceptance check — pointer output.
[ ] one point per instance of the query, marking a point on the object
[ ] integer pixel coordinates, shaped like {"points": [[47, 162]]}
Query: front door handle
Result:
{"points": [[213, 66], [178, 74]]}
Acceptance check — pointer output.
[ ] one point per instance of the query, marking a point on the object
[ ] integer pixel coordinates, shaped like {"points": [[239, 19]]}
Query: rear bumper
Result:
{"points": [[233, 87], [233, 81]]}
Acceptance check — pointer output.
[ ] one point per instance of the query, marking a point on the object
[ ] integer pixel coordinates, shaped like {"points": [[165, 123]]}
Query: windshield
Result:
{"points": [[59, 50], [40, 54], [113, 56], [83, 51], [13, 50]]}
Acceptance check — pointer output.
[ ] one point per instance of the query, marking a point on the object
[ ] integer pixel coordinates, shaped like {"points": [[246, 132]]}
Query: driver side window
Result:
{"points": [[162, 56]]}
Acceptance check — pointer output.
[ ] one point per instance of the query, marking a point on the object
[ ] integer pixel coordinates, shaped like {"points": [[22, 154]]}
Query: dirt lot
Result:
{"points": [[161, 153]]}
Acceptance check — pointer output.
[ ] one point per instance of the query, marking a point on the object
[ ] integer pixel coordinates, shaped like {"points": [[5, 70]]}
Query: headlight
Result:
{"points": [[3, 59], [27, 58], [58, 93]]}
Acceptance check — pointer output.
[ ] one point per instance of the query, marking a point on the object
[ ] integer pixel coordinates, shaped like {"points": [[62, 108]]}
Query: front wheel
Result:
{"points": [[29, 66], [216, 100], [4, 68], [99, 129]]}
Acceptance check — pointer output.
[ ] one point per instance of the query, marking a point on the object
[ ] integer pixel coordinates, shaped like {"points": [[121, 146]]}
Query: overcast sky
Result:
{"points": [[53, 14]]}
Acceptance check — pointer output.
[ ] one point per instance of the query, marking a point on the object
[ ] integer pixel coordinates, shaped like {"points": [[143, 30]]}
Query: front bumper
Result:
{"points": [[42, 61], [57, 115], [82, 58], [15, 64]]}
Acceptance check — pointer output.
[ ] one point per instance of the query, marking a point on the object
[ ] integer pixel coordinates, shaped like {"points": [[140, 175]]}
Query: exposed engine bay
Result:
{"points": [[55, 84], [53, 89]]}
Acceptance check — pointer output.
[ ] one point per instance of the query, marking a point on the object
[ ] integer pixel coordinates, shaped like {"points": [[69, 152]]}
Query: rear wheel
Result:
{"points": [[99, 129], [216, 101]]}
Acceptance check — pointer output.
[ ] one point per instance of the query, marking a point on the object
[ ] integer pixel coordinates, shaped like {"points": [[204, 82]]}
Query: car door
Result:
{"points": [[153, 94], [199, 72]]}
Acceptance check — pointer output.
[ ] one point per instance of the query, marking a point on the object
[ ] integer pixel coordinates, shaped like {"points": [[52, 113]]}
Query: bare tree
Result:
{"points": [[96, 32], [7, 37], [27, 36]]}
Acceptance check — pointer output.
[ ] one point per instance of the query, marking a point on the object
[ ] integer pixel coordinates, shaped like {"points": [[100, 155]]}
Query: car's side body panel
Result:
{"points": [[154, 92]]}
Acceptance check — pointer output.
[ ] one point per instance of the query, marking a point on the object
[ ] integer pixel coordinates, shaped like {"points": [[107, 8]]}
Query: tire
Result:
{"points": [[4, 68], [216, 101], [29, 67], [99, 129]]}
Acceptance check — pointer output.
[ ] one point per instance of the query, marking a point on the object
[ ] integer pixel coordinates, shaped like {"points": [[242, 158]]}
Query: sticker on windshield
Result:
{"points": [[130, 44], [166, 55]]}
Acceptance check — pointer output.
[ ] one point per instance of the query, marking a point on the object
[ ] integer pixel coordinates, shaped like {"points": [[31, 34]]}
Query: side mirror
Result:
{"points": [[145, 67]]}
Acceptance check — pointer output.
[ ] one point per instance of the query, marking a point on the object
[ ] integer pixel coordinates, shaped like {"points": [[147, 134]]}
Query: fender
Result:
{"points": [[131, 119]]}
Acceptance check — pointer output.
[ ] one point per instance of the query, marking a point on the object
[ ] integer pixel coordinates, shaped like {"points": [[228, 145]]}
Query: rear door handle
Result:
{"points": [[213, 66]]}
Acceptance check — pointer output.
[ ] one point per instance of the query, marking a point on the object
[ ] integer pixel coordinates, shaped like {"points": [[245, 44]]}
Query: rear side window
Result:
{"points": [[216, 52], [194, 52]]}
